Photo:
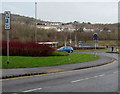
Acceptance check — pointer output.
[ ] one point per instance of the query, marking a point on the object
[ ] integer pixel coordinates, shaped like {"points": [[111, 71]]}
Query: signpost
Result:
{"points": [[7, 28], [95, 37]]}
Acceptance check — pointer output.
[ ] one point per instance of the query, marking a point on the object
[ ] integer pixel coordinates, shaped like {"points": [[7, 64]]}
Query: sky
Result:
{"points": [[94, 12]]}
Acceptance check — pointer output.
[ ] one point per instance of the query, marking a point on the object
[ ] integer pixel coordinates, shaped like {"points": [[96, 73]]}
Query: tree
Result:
{"points": [[89, 22]]}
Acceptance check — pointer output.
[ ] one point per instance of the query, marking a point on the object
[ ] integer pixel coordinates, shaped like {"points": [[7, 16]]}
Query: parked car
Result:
{"points": [[68, 49]]}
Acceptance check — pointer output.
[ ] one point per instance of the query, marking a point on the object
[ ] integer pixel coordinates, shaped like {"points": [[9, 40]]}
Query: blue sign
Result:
{"points": [[7, 20], [95, 36], [80, 43]]}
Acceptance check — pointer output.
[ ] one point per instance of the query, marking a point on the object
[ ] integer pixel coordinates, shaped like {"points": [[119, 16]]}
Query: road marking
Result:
{"points": [[32, 90], [87, 78], [78, 80], [96, 76], [115, 72], [101, 75], [58, 72]]}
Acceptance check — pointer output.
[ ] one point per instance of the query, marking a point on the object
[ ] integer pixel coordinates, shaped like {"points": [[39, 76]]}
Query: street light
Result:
{"points": [[35, 21], [75, 38], [75, 26], [70, 38]]}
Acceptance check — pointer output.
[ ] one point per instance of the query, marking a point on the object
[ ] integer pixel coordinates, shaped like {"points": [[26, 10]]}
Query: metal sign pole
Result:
{"points": [[8, 36], [7, 28], [95, 37], [95, 48]]}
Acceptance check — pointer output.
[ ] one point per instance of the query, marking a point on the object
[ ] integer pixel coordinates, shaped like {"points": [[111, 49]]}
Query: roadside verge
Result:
{"points": [[21, 72]]}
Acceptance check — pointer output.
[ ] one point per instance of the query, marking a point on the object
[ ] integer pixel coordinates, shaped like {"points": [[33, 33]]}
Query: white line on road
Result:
{"points": [[87, 78], [95, 76], [77, 80], [32, 90], [115, 72], [101, 75]]}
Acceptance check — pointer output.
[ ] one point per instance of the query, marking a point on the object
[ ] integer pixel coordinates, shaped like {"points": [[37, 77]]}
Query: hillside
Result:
{"points": [[30, 20], [23, 29], [21, 19]]}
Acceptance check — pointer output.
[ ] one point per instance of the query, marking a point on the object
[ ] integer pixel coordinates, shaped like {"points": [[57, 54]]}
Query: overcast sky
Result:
{"points": [[95, 12]]}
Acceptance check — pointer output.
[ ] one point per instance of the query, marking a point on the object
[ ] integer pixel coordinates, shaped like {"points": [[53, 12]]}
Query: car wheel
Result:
{"points": [[71, 51], [68, 51]]}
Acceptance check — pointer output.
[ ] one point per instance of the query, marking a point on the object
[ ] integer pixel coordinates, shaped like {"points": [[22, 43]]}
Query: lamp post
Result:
{"points": [[70, 39], [35, 21], [75, 32], [75, 38]]}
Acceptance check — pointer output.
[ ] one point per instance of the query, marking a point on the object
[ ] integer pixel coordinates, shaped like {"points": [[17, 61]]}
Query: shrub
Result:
{"points": [[26, 49]]}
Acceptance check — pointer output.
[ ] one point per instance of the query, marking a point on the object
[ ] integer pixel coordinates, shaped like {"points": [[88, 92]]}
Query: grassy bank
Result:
{"points": [[100, 42], [93, 50], [105, 42], [29, 62]]}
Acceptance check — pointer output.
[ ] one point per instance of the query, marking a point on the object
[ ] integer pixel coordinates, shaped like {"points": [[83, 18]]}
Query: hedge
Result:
{"points": [[26, 49]]}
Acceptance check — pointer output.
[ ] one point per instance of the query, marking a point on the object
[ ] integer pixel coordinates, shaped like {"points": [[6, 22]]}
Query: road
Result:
{"points": [[99, 79]]}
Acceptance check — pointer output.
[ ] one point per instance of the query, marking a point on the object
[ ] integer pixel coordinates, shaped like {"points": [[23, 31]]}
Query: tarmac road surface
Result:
{"points": [[98, 79]]}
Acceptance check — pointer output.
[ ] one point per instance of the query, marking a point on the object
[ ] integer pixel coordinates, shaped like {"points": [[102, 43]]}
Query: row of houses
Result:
{"points": [[59, 26], [93, 28]]}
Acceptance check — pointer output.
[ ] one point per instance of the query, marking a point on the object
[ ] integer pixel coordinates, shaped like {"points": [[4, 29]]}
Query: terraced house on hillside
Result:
{"points": [[59, 26]]}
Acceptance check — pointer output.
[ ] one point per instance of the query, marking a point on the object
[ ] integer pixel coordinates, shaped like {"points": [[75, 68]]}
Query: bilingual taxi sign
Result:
{"points": [[7, 20]]}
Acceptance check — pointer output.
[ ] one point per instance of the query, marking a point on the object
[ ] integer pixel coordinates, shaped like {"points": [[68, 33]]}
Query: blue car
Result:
{"points": [[68, 49]]}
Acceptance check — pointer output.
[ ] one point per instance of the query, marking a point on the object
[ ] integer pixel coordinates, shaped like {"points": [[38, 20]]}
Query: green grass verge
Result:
{"points": [[92, 50], [59, 53], [29, 62]]}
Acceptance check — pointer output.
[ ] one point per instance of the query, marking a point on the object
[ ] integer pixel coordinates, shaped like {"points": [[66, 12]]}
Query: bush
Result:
{"points": [[26, 49]]}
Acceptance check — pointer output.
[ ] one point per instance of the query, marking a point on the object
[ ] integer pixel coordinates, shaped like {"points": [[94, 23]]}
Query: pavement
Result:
{"points": [[8, 73]]}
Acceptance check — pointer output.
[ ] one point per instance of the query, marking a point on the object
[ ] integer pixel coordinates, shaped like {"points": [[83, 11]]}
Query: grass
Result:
{"points": [[106, 49], [59, 53], [29, 62]]}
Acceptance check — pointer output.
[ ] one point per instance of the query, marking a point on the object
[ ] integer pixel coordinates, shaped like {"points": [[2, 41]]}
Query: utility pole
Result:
{"points": [[35, 21], [75, 35], [75, 26], [75, 38], [65, 40], [70, 39]]}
